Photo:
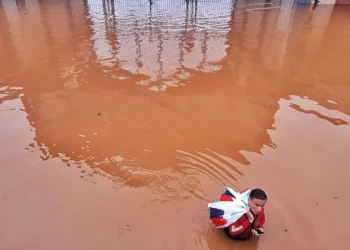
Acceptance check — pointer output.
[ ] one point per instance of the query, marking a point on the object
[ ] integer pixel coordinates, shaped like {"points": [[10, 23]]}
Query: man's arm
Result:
{"points": [[239, 226], [262, 221], [260, 227]]}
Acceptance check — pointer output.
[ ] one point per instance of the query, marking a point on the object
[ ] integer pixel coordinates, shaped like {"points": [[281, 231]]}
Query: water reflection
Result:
{"points": [[233, 68], [164, 44], [170, 96]]}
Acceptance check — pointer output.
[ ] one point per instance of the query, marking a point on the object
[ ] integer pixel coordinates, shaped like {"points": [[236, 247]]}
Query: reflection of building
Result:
{"points": [[23, 38], [162, 42], [84, 48], [41, 35]]}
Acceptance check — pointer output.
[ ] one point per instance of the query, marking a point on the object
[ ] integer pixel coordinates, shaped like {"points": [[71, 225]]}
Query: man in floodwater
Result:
{"points": [[252, 222]]}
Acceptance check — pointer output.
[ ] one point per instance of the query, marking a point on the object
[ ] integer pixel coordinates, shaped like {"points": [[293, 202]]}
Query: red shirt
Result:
{"points": [[242, 228]]}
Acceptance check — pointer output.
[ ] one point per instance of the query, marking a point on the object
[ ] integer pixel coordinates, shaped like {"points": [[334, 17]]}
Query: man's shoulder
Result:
{"points": [[242, 218]]}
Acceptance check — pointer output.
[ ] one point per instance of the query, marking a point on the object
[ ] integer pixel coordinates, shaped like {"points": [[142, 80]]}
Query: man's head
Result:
{"points": [[257, 200]]}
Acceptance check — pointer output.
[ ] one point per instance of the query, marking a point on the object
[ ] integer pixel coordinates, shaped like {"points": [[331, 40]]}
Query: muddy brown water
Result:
{"points": [[120, 121]]}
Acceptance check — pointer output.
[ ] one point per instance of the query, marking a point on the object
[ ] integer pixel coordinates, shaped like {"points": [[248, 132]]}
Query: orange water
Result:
{"points": [[120, 121]]}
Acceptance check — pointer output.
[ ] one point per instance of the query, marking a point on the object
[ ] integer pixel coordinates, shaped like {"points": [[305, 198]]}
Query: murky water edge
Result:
{"points": [[119, 121]]}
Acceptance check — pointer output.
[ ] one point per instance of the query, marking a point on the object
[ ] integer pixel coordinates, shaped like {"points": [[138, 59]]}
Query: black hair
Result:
{"points": [[258, 193]]}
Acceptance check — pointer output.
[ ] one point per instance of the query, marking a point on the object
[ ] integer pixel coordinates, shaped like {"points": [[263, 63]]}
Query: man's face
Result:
{"points": [[256, 205]]}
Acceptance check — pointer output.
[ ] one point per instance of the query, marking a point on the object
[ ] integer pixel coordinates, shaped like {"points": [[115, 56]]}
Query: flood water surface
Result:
{"points": [[121, 120]]}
